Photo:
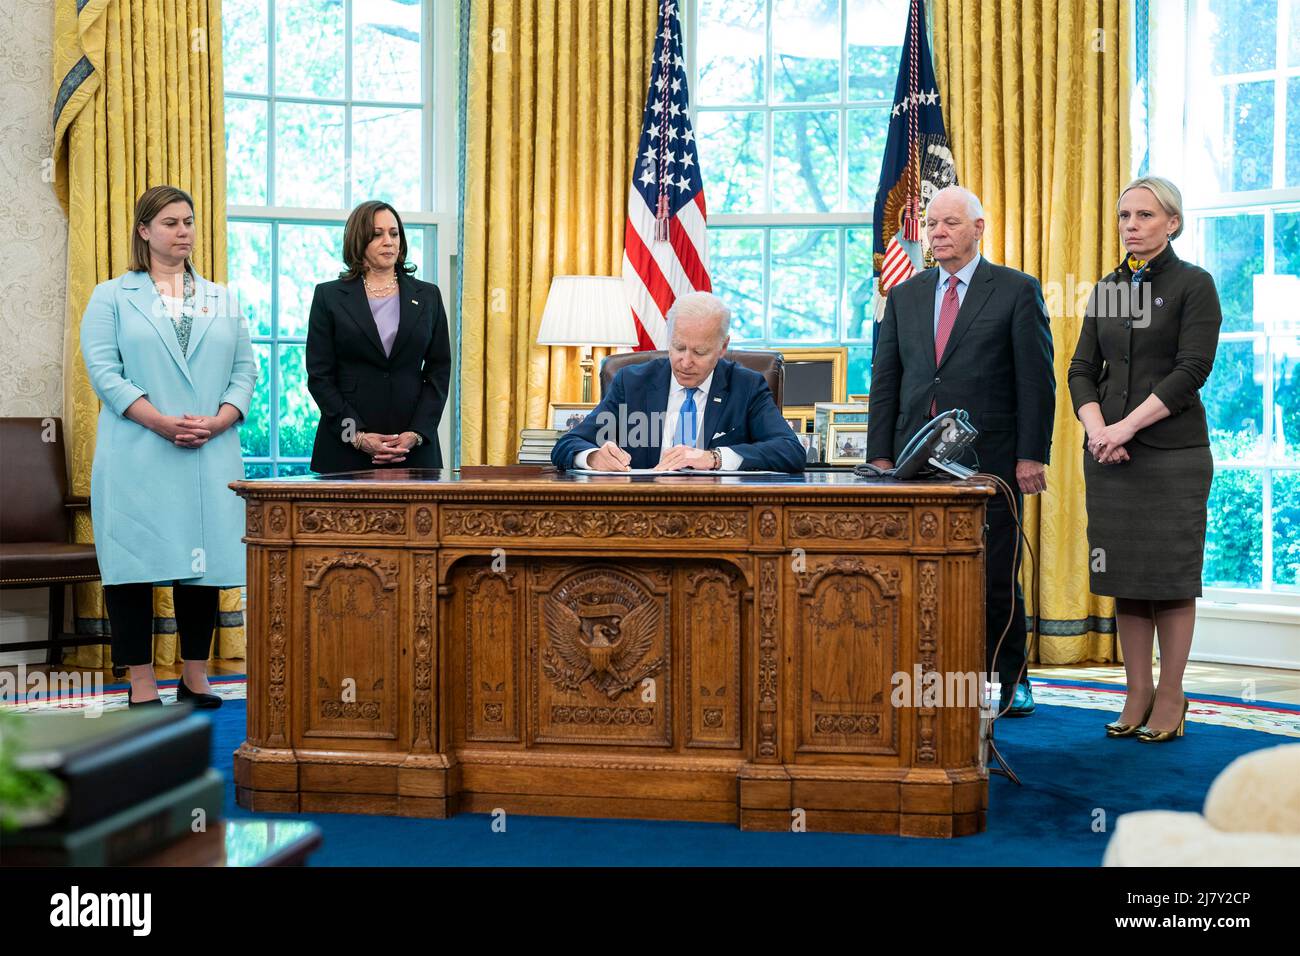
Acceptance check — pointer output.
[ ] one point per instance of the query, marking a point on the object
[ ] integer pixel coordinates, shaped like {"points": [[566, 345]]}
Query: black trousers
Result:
{"points": [[130, 618], [1002, 544]]}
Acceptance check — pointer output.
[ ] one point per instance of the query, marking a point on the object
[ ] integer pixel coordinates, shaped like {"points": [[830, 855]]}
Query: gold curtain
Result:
{"points": [[556, 89], [137, 103], [1035, 96]]}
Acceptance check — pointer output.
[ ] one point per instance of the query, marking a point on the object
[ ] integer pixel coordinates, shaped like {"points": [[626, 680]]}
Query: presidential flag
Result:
{"points": [[663, 242], [917, 164]]}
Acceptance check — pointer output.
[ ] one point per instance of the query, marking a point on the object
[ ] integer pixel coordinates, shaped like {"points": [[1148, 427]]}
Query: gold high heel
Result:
{"points": [[1149, 736], [1116, 729]]}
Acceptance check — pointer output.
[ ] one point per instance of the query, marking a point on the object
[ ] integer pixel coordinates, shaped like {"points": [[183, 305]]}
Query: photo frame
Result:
{"points": [[846, 444], [798, 417], [815, 374], [564, 415], [811, 441]]}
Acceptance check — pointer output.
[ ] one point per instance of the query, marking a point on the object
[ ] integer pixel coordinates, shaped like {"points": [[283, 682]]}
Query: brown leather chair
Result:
{"points": [[770, 365], [35, 522]]}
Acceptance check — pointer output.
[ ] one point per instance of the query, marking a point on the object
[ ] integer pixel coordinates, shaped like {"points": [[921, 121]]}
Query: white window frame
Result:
{"points": [[438, 216], [839, 222], [1174, 74]]}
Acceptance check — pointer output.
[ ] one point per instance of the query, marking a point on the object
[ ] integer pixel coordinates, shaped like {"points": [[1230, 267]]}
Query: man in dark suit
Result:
{"points": [[693, 409], [969, 334]]}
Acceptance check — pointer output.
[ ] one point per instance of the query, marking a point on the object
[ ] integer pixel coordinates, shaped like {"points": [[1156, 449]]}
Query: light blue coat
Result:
{"points": [[164, 513]]}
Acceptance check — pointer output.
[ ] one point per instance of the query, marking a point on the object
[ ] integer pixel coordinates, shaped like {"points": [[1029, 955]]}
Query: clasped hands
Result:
{"points": [[609, 457], [1107, 445], [195, 431], [385, 449]]}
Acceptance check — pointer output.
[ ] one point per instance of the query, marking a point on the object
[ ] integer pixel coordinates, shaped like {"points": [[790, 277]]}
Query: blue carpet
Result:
{"points": [[1072, 775]]}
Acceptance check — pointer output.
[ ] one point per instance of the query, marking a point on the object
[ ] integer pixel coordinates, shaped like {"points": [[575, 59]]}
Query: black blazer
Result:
{"points": [[1160, 342], [351, 378], [739, 414], [997, 366]]}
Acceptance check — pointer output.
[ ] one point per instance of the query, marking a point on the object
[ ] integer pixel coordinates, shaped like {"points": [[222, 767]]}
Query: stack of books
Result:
{"points": [[133, 781], [536, 446]]}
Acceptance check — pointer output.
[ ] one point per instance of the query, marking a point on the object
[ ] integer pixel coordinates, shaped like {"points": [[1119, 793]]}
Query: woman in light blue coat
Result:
{"points": [[169, 356]]}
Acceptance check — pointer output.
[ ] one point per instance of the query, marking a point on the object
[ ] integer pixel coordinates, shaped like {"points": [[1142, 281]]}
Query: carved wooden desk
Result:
{"points": [[674, 647]]}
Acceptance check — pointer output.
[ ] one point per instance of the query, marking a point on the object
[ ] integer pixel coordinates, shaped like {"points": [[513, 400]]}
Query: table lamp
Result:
{"points": [[587, 311]]}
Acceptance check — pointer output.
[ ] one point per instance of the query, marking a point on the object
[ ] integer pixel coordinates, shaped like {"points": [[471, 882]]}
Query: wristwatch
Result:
{"points": [[419, 439], [717, 459]]}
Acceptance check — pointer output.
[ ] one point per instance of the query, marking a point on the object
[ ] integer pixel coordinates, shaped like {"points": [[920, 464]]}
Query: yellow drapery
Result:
{"points": [[1035, 96], [137, 103], [556, 89]]}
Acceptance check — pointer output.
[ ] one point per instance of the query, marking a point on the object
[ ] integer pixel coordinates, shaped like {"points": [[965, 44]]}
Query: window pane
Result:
{"points": [[386, 51], [731, 45], [309, 48], [866, 153], [245, 152], [1243, 34], [1286, 243], [1234, 401], [298, 412], [249, 268], [291, 469], [308, 155], [736, 270], [1234, 255], [1294, 58], [1234, 540], [1246, 157], [1293, 125], [1286, 530], [415, 251], [255, 432], [1286, 398], [258, 470], [806, 161], [243, 45], [876, 31], [859, 286], [386, 156], [732, 152], [308, 255], [805, 51], [805, 280], [859, 376]]}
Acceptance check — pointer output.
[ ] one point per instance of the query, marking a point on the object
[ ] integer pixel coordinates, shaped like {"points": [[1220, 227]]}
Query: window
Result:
{"points": [[328, 103], [791, 102], [1239, 61]]}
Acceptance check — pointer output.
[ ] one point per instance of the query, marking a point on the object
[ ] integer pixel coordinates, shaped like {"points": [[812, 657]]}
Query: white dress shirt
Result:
{"points": [[731, 461]]}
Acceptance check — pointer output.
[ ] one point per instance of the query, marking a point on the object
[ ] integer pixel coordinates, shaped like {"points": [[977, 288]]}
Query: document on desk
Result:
{"points": [[674, 471]]}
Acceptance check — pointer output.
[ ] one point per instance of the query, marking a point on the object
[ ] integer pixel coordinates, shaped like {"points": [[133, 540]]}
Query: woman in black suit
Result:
{"points": [[378, 353], [1145, 349]]}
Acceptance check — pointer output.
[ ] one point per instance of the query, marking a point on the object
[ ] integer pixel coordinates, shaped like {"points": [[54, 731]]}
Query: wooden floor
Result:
{"points": [[1226, 680]]}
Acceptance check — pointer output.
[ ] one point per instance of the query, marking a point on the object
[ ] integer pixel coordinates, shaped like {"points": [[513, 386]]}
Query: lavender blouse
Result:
{"points": [[387, 316]]}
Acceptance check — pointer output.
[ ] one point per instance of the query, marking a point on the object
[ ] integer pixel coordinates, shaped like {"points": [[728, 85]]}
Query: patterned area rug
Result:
{"points": [[1264, 716], [227, 687]]}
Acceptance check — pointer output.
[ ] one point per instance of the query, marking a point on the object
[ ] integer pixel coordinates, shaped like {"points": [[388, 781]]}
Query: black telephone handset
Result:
{"points": [[936, 446]]}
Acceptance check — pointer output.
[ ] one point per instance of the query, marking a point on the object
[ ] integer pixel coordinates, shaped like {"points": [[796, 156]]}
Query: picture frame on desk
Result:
{"points": [[814, 374], [846, 444], [797, 417], [565, 415], [811, 441]]}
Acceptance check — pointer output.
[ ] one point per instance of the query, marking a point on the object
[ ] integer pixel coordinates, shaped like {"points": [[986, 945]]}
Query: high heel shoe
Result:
{"points": [[130, 702], [1149, 736], [201, 701], [1116, 729]]}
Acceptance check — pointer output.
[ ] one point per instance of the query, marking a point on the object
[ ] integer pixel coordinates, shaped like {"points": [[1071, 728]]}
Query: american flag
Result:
{"points": [[664, 240]]}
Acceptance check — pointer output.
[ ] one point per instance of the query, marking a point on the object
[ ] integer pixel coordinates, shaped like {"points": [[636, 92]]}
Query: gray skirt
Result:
{"points": [[1146, 522]]}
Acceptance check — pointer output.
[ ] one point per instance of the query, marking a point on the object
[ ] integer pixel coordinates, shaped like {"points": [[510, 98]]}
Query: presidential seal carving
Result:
{"points": [[598, 630]]}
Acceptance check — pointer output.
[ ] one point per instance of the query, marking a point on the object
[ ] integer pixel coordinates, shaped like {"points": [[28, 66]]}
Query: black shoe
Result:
{"points": [[201, 701], [156, 702], [1022, 701]]}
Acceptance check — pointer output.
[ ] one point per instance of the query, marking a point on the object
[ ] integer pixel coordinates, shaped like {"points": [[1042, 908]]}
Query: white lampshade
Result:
{"points": [[587, 310]]}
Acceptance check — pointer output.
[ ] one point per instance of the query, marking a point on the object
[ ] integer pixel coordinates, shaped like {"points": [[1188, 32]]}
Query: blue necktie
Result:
{"points": [[686, 420]]}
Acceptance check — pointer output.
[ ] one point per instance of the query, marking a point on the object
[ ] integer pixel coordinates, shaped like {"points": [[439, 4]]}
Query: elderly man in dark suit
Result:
{"points": [[693, 409], [973, 335]]}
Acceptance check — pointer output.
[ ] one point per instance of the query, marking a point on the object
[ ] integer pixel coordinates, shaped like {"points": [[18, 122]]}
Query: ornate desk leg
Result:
{"points": [[765, 789]]}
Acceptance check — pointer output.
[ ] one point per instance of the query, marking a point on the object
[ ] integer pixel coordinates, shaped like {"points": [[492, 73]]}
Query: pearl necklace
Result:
{"points": [[378, 292]]}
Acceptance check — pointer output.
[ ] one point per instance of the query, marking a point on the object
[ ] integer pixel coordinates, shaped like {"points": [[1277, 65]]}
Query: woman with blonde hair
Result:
{"points": [[168, 354], [1146, 347]]}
